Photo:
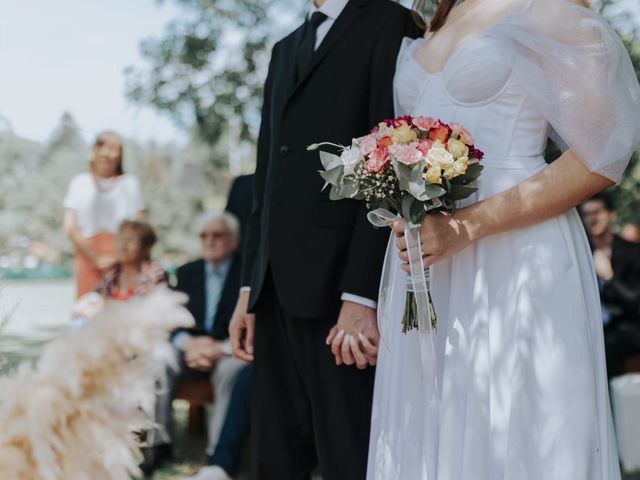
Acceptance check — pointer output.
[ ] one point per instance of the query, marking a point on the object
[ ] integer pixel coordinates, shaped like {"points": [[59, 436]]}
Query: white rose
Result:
{"points": [[350, 157], [439, 156]]}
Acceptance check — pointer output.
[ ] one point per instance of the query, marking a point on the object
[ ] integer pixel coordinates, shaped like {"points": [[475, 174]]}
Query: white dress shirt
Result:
{"points": [[332, 9]]}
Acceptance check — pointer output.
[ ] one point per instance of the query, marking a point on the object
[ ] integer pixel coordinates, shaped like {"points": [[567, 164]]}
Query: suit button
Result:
{"points": [[284, 150]]}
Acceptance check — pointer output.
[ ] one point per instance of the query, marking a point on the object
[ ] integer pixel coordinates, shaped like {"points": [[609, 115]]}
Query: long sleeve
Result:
{"points": [[366, 252], [253, 234]]}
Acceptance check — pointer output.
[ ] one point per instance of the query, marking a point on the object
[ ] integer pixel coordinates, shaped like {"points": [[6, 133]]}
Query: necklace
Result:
{"points": [[105, 184]]}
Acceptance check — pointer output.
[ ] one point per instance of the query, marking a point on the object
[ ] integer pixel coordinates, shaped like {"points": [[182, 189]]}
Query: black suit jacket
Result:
{"points": [[621, 294], [316, 248], [190, 280]]}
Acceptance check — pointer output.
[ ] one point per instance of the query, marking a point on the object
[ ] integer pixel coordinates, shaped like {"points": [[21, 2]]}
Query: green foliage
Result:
{"points": [[209, 66], [178, 184], [627, 194]]}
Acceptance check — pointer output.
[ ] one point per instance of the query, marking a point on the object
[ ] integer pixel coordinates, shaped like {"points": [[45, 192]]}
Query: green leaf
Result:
{"points": [[473, 171], [433, 191], [333, 175], [329, 160], [334, 194], [460, 192], [404, 175], [349, 188], [417, 212], [407, 204]]}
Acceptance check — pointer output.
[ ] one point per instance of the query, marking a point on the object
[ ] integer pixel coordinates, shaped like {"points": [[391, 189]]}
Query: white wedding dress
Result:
{"points": [[520, 383]]}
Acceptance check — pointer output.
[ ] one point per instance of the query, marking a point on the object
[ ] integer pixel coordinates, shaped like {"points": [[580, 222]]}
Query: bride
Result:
{"points": [[520, 389]]}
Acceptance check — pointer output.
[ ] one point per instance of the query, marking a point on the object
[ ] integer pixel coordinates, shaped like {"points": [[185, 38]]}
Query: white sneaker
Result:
{"points": [[212, 472]]}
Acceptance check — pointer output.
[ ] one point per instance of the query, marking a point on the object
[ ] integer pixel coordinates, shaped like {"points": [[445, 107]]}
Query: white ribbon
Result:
{"points": [[419, 281]]}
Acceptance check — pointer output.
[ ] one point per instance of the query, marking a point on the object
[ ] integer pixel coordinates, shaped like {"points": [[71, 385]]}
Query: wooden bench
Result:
{"points": [[199, 393]]}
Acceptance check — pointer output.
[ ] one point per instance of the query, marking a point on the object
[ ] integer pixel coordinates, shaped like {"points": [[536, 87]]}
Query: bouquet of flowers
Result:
{"points": [[408, 166]]}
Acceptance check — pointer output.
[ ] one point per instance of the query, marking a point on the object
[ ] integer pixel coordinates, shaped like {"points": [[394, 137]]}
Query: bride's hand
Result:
{"points": [[354, 338], [441, 235]]}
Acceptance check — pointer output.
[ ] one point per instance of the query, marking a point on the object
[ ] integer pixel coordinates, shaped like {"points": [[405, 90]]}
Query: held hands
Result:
{"points": [[202, 352], [442, 234], [241, 329], [354, 339]]}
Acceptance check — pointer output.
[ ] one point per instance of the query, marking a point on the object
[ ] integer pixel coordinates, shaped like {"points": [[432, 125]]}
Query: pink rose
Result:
{"points": [[368, 144], [377, 160], [424, 145], [407, 154], [463, 133], [425, 123]]}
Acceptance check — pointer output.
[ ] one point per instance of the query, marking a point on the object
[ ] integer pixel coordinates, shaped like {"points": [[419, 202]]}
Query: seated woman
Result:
{"points": [[132, 274]]}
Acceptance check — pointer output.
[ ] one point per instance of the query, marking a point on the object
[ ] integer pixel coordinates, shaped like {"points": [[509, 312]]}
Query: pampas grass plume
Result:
{"points": [[73, 414]]}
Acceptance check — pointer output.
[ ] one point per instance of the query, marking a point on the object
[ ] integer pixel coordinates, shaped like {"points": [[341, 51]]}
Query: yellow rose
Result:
{"points": [[437, 144], [457, 148], [449, 173], [404, 134], [460, 166], [439, 156], [433, 174]]}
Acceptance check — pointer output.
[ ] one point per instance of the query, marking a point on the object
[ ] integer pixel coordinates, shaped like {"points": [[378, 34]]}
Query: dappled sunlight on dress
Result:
{"points": [[522, 387]]}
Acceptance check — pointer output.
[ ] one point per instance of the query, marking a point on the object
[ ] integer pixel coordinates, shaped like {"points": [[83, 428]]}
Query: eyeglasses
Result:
{"points": [[213, 235]]}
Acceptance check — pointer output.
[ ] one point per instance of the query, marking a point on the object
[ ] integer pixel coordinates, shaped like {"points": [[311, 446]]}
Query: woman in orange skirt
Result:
{"points": [[96, 203]]}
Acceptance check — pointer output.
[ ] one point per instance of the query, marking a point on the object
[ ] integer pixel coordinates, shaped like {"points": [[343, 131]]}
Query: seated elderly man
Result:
{"points": [[212, 284]]}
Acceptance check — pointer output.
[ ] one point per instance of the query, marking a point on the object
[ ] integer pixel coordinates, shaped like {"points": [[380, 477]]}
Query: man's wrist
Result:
{"points": [[367, 302]]}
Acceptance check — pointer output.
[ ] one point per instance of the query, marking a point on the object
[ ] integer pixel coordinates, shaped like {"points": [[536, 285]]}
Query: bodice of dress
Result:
{"points": [[477, 89], [542, 66]]}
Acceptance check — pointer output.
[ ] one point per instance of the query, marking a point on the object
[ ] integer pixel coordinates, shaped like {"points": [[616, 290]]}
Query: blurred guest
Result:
{"points": [[224, 463], [630, 232], [97, 202], [240, 200], [617, 264], [133, 273], [212, 284]]}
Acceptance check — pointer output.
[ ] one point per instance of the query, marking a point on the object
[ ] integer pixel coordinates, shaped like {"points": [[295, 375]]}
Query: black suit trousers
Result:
{"points": [[306, 412]]}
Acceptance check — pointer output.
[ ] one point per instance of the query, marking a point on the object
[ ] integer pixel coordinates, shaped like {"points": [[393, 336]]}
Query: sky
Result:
{"points": [[70, 55]]}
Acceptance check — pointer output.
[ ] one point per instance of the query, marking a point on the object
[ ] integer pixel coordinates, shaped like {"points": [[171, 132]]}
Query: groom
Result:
{"points": [[312, 263]]}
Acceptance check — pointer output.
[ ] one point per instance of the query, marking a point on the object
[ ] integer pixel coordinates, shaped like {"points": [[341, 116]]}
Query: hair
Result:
{"points": [[100, 138], [231, 221], [145, 233], [439, 17], [605, 198], [443, 8]]}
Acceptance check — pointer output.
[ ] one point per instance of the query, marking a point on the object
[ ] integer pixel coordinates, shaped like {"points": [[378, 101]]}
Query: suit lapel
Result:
{"points": [[286, 81], [339, 28]]}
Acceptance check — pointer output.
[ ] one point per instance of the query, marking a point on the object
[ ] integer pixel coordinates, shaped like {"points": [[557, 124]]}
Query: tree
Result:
{"points": [[209, 66]]}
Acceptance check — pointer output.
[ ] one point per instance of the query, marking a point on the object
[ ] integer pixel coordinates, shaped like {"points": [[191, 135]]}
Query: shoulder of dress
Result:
{"points": [[408, 47]]}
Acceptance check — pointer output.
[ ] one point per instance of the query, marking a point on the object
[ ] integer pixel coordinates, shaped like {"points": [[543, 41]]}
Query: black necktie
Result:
{"points": [[307, 47]]}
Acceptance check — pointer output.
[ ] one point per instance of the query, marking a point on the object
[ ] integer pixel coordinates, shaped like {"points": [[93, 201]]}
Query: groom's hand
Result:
{"points": [[354, 339], [241, 329]]}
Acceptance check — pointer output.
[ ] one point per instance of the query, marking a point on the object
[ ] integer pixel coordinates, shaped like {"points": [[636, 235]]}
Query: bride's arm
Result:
{"points": [[560, 186]]}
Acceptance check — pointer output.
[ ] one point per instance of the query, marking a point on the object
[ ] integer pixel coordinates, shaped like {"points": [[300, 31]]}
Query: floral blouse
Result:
{"points": [[150, 275]]}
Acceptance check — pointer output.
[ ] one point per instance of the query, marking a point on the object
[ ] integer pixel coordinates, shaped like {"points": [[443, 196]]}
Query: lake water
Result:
{"points": [[37, 311]]}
